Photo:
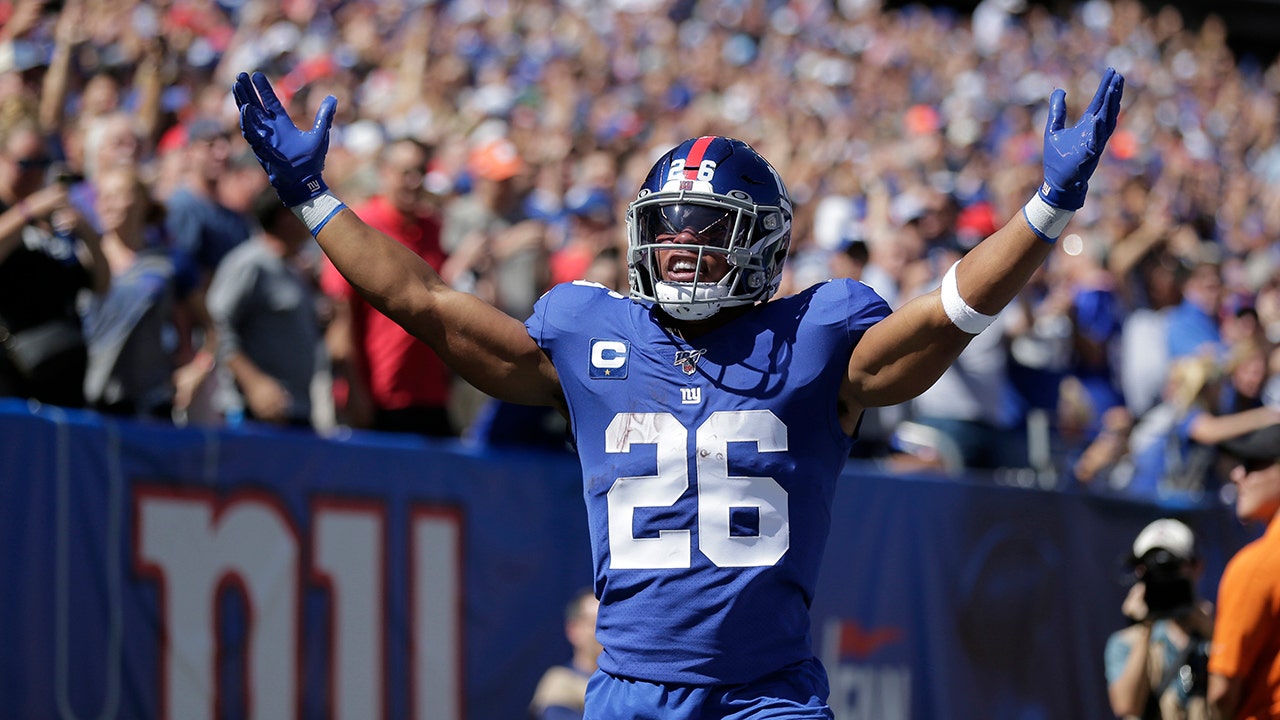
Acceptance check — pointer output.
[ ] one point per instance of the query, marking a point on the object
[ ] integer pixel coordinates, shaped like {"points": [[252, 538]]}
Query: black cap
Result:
{"points": [[1261, 444]]}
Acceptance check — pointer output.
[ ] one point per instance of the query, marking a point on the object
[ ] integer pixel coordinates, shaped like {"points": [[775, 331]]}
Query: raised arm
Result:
{"points": [[485, 346], [904, 354]]}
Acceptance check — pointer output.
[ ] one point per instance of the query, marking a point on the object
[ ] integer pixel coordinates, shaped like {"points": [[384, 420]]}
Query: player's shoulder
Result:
{"points": [[568, 308], [841, 300], [854, 290], [581, 294]]}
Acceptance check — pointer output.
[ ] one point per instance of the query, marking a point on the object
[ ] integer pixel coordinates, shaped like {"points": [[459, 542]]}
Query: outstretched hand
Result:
{"points": [[293, 159], [1071, 153]]}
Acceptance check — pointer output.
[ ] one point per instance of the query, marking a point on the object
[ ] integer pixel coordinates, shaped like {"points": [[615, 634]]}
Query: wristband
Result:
{"points": [[1046, 220], [318, 211], [962, 316]]}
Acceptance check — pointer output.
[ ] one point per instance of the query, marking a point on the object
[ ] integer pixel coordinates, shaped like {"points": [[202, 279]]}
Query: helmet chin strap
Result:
{"points": [[690, 301]]}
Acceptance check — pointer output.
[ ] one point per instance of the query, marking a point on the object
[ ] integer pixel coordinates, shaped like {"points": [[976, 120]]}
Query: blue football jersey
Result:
{"points": [[708, 472]]}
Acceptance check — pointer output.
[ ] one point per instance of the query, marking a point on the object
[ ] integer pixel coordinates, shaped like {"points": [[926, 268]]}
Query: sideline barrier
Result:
{"points": [[154, 572]]}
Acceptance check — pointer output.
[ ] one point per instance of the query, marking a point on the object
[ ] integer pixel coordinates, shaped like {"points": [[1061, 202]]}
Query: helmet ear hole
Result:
{"points": [[740, 257]]}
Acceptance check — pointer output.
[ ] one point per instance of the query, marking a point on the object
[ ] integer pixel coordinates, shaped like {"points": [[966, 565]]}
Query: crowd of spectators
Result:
{"points": [[905, 136]]}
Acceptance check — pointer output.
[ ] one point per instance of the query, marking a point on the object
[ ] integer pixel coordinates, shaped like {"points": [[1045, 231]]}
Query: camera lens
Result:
{"points": [[1160, 565], [1166, 596]]}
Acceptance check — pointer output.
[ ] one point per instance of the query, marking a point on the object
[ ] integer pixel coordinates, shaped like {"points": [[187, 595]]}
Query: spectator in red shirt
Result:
{"points": [[384, 378]]}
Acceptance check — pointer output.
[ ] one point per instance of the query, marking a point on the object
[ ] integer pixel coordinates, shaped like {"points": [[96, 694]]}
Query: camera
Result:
{"points": [[1168, 590], [65, 176]]}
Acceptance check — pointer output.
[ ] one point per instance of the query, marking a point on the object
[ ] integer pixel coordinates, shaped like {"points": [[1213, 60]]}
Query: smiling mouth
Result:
{"points": [[685, 269]]}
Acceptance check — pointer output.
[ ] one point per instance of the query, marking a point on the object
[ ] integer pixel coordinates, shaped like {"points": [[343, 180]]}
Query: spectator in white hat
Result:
{"points": [[1156, 666]]}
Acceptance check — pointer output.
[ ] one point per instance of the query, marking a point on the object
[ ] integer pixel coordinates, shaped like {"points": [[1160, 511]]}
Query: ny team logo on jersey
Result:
{"points": [[687, 360], [609, 359]]}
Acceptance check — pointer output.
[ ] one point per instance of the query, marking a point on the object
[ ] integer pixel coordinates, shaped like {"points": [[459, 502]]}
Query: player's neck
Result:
{"points": [[690, 330]]}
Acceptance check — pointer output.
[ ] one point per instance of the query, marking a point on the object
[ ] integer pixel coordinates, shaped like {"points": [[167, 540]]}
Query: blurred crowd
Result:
{"points": [[502, 140]]}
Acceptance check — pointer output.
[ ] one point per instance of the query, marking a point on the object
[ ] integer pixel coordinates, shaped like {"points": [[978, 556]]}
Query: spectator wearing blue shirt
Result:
{"points": [[1171, 447], [199, 224], [1193, 324]]}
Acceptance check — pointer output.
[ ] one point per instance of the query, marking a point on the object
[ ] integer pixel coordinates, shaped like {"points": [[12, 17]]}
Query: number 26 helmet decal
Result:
{"points": [[712, 202]]}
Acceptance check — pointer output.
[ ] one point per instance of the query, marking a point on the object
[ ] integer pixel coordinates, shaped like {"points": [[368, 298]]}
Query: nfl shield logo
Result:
{"points": [[687, 360]]}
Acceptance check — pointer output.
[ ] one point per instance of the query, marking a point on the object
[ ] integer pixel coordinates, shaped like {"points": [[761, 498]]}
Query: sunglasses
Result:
{"points": [[34, 163]]}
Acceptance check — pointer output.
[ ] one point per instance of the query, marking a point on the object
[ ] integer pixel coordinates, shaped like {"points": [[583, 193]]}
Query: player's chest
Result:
{"points": [[615, 373]]}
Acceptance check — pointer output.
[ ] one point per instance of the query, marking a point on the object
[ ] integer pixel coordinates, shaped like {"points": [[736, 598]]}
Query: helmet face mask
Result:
{"points": [[661, 222], [709, 229]]}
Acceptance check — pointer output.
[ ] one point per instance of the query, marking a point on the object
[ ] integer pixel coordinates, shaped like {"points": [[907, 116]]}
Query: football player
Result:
{"points": [[711, 419]]}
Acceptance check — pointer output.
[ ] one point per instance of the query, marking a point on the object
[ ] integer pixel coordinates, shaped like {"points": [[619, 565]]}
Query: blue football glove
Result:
{"points": [[1071, 153], [292, 158]]}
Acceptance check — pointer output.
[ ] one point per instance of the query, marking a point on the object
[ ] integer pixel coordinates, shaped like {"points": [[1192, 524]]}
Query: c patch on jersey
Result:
{"points": [[608, 359]]}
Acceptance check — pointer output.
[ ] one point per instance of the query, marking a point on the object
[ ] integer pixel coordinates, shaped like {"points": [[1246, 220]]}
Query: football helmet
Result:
{"points": [[711, 202]]}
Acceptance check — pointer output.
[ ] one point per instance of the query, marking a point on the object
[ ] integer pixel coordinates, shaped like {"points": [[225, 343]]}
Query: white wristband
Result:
{"points": [[1046, 220], [318, 211], [962, 316]]}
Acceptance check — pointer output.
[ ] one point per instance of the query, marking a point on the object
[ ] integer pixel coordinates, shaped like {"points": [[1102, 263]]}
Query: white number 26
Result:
{"points": [[718, 492]]}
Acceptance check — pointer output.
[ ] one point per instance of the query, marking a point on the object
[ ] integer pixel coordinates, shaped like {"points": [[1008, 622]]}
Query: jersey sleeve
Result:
{"points": [[863, 308], [562, 310], [1242, 609]]}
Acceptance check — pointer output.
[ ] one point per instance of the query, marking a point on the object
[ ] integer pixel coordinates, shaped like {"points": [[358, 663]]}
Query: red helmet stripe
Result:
{"points": [[694, 159]]}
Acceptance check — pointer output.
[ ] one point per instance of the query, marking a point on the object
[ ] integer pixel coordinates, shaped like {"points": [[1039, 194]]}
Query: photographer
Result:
{"points": [[48, 255], [1156, 666]]}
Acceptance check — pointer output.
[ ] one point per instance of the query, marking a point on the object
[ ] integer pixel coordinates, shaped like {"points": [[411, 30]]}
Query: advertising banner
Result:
{"points": [[201, 574]]}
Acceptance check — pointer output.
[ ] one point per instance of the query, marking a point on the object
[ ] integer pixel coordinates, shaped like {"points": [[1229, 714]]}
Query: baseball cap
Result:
{"points": [[496, 159], [590, 203], [1261, 444], [1165, 534]]}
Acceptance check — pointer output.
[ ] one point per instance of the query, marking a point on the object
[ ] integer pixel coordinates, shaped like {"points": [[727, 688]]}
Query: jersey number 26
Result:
{"points": [[718, 492]]}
